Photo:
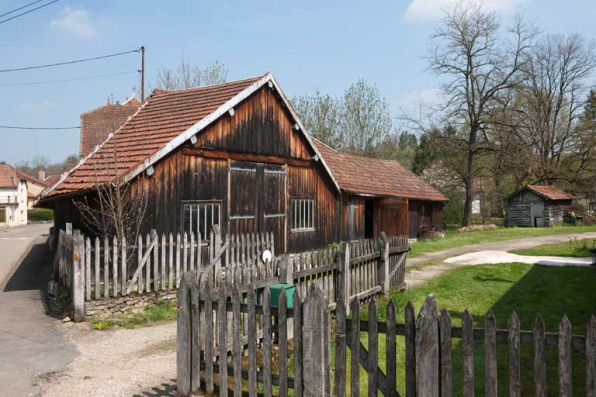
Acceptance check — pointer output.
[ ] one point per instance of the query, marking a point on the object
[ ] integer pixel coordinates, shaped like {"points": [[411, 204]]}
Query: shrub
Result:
{"points": [[40, 215]]}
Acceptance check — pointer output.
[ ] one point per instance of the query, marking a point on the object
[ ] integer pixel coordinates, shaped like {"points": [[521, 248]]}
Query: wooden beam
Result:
{"points": [[258, 158]]}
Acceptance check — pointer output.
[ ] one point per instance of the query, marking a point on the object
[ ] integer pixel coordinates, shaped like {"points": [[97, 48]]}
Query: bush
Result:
{"points": [[40, 215]]}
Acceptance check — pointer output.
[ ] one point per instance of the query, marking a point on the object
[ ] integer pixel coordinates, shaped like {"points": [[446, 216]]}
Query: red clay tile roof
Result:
{"points": [[32, 179], [97, 124], [8, 177], [52, 179], [164, 116], [550, 192], [363, 175]]}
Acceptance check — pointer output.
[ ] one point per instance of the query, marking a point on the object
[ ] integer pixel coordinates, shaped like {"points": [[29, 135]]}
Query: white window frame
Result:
{"points": [[302, 215], [199, 208]]}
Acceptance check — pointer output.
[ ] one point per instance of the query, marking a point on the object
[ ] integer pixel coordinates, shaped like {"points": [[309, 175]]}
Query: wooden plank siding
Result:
{"points": [[253, 162], [519, 209]]}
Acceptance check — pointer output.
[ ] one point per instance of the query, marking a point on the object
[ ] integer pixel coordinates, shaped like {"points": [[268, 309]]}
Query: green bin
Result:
{"points": [[275, 290]]}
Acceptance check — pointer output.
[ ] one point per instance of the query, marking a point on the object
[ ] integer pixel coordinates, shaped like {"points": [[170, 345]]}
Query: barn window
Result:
{"points": [[303, 215], [200, 217]]}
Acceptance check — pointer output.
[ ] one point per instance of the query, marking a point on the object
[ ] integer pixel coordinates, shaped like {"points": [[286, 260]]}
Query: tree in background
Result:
{"points": [[359, 122], [551, 108], [481, 63], [39, 162], [321, 115], [189, 75], [366, 120]]}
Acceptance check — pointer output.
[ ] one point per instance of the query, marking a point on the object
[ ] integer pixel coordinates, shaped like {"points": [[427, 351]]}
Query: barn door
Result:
{"points": [[537, 211], [273, 203], [257, 200], [243, 197]]}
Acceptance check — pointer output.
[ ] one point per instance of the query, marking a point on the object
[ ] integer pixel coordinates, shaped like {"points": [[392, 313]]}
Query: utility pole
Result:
{"points": [[142, 74]]}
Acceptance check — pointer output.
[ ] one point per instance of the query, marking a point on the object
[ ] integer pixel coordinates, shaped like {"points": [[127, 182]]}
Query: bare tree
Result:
{"points": [[116, 207], [189, 75], [482, 62], [551, 106]]}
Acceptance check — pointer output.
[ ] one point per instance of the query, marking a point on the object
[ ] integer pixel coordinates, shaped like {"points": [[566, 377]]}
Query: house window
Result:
{"points": [[303, 215], [200, 218]]}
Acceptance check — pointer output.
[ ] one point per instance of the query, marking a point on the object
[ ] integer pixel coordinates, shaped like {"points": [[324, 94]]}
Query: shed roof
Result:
{"points": [[364, 175], [165, 121], [550, 192]]}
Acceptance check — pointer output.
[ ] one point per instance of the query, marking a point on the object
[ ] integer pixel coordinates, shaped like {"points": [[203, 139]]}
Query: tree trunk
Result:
{"points": [[469, 180], [499, 194]]}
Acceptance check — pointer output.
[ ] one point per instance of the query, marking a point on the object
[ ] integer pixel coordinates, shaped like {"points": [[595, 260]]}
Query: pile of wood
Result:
{"points": [[476, 227]]}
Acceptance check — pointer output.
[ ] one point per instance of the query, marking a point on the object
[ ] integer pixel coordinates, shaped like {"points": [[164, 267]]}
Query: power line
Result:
{"points": [[11, 127], [66, 80], [27, 12], [20, 8], [69, 62]]}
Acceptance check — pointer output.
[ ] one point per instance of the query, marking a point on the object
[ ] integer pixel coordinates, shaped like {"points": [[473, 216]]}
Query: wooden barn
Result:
{"points": [[538, 206], [236, 155], [381, 195]]}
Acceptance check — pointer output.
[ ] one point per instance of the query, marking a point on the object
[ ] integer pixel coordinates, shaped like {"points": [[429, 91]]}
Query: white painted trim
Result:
{"points": [[223, 109], [199, 126], [82, 161], [304, 131]]}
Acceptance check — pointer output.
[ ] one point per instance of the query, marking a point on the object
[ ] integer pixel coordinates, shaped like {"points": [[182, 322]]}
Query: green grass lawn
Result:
{"points": [[454, 239], [528, 289], [573, 248]]}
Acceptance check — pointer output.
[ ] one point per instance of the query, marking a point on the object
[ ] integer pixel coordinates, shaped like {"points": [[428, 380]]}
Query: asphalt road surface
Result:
{"points": [[30, 343]]}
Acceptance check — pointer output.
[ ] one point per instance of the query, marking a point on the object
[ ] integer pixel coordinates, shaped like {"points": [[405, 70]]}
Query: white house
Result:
{"points": [[13, 197]]}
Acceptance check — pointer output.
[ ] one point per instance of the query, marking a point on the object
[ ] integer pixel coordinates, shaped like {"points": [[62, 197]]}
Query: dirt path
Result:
{"points": [[421, 275], [120, 362]]}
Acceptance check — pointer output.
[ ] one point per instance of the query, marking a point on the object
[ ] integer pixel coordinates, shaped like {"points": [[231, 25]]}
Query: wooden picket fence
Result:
{"points": [[107, 268], [207, 316]]}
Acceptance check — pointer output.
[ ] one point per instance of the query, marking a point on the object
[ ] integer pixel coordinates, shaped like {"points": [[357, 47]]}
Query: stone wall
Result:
{"points": [[110, 308]]}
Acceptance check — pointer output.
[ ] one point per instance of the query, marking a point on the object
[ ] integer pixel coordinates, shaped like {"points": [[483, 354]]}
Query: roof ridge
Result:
{"points": [[163, 92]]}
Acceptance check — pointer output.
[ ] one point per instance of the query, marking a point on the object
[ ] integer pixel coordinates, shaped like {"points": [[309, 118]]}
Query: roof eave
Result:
{"points": [[223, 109]]}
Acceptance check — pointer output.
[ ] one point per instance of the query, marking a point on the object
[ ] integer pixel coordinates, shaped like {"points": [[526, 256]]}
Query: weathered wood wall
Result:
{"points": [[519, 209], [424, 214], [253, 163]]}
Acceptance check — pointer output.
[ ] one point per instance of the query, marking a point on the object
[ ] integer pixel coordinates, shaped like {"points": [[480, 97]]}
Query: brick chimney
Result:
{"points": [[41, 174]]}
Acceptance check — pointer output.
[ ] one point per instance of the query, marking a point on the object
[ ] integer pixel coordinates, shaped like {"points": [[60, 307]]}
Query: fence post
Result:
{"points": [[427, 349], [343, 274], [78, 276], [314, 328], [184, 339], [383, 263], [285, 271]]}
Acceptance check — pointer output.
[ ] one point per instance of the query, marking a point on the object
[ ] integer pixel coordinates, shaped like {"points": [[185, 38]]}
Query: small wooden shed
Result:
{"points": [[538, 206]]}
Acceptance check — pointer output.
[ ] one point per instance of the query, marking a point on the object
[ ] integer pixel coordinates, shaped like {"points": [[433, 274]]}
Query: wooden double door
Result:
{"points": [[257, 200]]}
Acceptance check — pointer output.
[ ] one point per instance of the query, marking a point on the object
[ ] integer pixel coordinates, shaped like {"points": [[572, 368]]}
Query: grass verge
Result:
{"points": [[575, 248], [527, 289], [162, 312], [454, 239]]}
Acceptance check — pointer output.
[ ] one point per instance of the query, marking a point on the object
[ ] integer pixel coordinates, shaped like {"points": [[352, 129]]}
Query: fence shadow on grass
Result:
{"points": [[553, 292]]}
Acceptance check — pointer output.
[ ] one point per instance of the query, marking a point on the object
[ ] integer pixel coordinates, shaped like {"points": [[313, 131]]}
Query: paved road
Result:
{"points": [[30, 343]]}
